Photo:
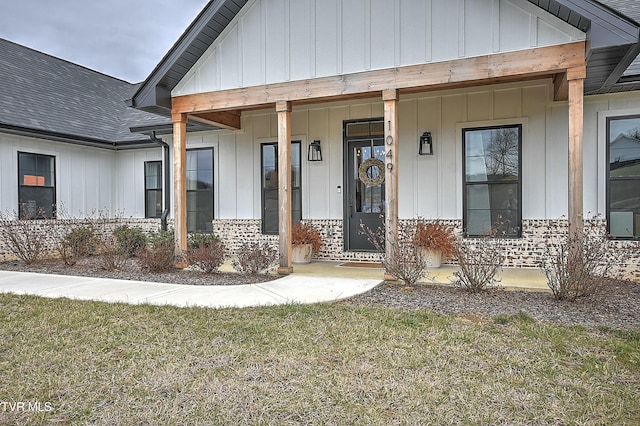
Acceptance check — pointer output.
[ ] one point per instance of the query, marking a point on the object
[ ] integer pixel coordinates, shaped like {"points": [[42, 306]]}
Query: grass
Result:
{"points": [[98, 363]]}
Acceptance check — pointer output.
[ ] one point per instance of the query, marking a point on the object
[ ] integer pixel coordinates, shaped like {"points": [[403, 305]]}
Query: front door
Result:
{"points": [[364, 195]]}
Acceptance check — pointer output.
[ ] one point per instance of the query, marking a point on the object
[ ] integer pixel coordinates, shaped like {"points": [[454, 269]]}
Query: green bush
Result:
{"points": [[197, 239], [77, 243], [129, 239], [158, 254]]}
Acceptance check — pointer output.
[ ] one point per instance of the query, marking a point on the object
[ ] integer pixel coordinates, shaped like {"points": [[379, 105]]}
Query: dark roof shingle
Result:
{"points": [[49, 95]]}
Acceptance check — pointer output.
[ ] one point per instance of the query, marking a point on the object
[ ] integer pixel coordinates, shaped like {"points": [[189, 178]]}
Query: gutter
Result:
{"points": [[167, 180]]}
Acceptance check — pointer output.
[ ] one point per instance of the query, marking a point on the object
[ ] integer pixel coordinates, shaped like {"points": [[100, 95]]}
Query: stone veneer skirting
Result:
{"points": [[527, 251], [50, 230]]}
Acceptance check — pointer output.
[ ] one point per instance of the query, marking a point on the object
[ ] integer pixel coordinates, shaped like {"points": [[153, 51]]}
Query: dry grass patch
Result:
{"points": [[324, 364]]}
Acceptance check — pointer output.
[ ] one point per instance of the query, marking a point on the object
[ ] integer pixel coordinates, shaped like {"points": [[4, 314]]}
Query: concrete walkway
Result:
{"points": [[313, 283], [294, 288]]}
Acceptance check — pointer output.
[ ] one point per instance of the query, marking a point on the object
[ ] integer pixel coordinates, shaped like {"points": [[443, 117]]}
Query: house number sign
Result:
{"points": [[389, 154]]}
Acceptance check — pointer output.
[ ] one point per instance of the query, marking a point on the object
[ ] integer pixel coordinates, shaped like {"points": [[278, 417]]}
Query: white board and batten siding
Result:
{"points": [[88, 180], [272, 41]]}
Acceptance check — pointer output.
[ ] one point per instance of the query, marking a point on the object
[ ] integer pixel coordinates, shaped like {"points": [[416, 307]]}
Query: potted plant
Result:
{"points": [[435, 240], [305, 240]]}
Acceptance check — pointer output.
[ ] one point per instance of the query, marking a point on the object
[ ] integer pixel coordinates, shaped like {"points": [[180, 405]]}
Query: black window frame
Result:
{"points": [[609, 178], [295, 218], [209, 228], [21, 188], [147, 190], [466, 184]]}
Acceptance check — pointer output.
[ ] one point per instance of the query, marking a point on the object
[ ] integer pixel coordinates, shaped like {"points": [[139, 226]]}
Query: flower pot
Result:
{"points": [[433, 257], [301, 253]]}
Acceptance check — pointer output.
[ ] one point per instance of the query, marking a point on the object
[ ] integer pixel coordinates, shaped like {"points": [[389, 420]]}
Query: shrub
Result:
{"points": [[208, 255], [78, 242], [436, 236], [306, 233], [479, 260], [579, 264], [129, 240], [24, 238], [195, 240], [406, 261], [158, 254], [255, 258], [114, 255]]}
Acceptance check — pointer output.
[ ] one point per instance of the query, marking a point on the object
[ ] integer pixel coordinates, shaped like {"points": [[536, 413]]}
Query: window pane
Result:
{"points": [[377, 128], [492, 154], [625, 195], [357, 129], [36, 202], [154, 204], [624, 147]]}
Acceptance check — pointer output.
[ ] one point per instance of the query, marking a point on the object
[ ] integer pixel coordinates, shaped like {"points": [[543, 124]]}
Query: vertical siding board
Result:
{"points": [[318, 192], [353, 35], [252, 53], [326, 38], [534, 170], [383, 34], [450, 150], [300, 39], [444, 34], [479, 106], [413, 31], [336, 117], [507, 103], [512, 21], [276, 41], [229, 56], [227, 177], [478, 28]]}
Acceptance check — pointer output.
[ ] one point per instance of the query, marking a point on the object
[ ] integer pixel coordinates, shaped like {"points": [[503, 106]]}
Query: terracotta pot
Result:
{"points": [[301, 253], [433, 257]]}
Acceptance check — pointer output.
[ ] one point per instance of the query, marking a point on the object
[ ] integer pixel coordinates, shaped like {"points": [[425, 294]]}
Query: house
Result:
{"points": [[481, 113]]}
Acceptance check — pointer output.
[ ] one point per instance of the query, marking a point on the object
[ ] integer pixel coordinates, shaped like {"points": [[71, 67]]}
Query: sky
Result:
{"points": [[122, 38]]}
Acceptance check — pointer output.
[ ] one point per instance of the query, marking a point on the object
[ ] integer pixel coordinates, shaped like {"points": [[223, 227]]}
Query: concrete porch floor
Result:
{"points": [[511, 278]]}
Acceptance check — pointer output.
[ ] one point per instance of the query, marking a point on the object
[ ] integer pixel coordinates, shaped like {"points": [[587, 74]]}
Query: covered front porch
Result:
{"points": [[564, 65]]}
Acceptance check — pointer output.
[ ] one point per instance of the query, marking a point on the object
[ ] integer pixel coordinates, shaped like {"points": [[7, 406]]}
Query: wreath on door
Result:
{"points": [[371, 179]]}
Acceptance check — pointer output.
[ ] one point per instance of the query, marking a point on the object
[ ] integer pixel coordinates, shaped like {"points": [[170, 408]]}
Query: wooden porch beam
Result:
{"points": [[575, 77], [284, 186], [391, 133], [224, 119], [560, 87], [542, 61], [180, 187]]}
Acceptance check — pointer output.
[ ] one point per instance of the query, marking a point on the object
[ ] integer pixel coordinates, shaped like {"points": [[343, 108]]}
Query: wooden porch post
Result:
{"points": [[575, 77], [284, 185], [180, 187], [390, 98]]}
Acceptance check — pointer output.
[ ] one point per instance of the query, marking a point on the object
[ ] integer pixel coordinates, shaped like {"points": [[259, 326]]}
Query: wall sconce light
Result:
{"points": [[425, 144], [315, 152]]}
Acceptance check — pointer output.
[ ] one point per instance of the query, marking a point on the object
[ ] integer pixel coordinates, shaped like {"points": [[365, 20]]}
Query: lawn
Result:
{"points": [[97, 363]]}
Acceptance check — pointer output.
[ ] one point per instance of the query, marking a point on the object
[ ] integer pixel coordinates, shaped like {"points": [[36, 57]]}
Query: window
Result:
{"points": [[200, 190], [623, 189], [492, 186], [269, 160], [152, 189], [36, 186]]}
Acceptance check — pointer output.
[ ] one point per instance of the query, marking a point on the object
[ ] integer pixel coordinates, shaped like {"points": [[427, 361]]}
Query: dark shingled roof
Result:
{"points": [[41, 95]]}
